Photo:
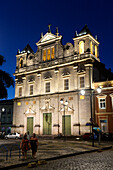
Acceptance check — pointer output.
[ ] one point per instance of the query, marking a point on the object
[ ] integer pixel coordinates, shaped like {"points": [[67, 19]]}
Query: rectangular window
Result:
{"points": [[48, 54], [52, 54], [102, 103], [47, 87], [82, 82], [66, 84], [20, 91], [44, 55], [31, 89]]}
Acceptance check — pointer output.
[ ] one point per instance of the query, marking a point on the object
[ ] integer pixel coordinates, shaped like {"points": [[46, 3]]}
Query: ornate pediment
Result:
{"points": [[30, 111], [67, 109], [48, 36]]}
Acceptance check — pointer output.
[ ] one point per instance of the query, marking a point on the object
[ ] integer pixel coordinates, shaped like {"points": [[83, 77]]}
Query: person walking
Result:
{"points": [[34, 145], [24, 146], [28, 136]]}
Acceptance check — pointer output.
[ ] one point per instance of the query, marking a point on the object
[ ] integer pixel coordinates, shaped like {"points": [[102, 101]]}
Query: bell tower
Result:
{"points": [[85, 43], [21, 57]]}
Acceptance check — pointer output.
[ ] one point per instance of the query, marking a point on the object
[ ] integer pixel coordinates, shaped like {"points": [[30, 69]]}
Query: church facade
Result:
{"points": [[56, 72]]}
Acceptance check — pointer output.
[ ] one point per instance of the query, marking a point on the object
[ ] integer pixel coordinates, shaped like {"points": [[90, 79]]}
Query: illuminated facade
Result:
{"points": [[104, 106], [53, 73]]}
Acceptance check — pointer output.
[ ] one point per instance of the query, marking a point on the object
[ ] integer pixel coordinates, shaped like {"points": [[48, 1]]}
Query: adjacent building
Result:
{"points": [[57, 72], [6, 115], [104, 106]]}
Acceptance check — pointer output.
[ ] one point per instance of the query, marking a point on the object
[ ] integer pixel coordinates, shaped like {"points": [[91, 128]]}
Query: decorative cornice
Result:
{"points": [[81, 72], [88, 65], [101, 96], [104, 113], [54, 66], [87, 35], [21, 54]]}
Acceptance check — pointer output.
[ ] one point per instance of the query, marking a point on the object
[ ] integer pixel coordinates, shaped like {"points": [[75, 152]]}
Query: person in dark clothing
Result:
{"points": [[28, 136], [34, 145], [24, 146]]}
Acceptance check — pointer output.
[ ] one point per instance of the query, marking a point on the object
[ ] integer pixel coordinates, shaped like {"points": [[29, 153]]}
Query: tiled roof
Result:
{"points": [[85, 30]]}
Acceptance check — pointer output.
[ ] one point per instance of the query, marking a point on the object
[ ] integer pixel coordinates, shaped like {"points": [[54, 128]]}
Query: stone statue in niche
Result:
{"points": [[47, 105]]}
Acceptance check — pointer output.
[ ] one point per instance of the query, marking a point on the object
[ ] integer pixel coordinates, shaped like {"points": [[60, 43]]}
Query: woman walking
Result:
{"points": [[24, 146], [34, 145]]}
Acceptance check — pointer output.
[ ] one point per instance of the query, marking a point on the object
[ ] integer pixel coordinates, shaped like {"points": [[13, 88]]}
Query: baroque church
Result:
{"points": [[56, 73]]}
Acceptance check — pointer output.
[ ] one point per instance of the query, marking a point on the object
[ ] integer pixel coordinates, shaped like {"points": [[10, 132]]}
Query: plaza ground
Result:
{"points": [[48, 150]]}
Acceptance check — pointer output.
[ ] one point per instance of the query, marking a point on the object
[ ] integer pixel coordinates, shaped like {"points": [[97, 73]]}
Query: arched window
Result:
{"points": [[21, 63], [81, 47], [95, 51], [44, 55], [91, 47]]}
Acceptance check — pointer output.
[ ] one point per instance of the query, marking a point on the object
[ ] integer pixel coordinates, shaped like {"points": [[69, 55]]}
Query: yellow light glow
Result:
{"points": [[95, 51], [27, 103], [44, 55], [34, 102], [81, 47], [82, 97], [70, 98], [52, 55], [21, 63], [19, 103], [48, 54]]}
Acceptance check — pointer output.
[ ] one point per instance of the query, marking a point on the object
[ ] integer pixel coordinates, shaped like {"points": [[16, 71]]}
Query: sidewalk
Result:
{"points": [[51, 149]]}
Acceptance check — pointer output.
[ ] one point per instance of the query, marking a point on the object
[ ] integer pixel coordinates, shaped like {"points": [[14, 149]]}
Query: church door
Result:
{"points": [[67, 125], [30, 125], [47, 123]]}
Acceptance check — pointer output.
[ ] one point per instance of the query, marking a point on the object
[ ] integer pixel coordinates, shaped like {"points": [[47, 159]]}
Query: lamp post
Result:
{"points": [[64, 104], [91, 94]]}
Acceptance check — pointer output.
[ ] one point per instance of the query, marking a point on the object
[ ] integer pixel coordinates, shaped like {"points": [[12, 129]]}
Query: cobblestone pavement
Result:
{"points": [[90, 161]]}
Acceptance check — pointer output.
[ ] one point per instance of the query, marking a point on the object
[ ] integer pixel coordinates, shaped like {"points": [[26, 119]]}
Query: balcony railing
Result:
{"points": [[57, 61]]}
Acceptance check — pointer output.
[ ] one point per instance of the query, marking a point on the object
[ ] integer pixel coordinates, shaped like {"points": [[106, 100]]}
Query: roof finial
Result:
{"points": [[75, 33], [96, 37], [57, 31], [49, 31], [18, 52], [41, 35]]}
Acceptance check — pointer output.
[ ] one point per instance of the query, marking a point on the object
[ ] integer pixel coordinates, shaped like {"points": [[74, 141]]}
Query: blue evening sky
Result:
{"points": [[22, 21]]}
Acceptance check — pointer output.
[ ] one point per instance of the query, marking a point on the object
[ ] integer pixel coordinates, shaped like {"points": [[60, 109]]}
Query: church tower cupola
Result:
{"points": [[22, 57], [84, 43]]}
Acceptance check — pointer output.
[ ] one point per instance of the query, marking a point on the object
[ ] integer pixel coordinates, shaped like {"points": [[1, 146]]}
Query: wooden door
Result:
{"points": [[30, 125], [67, 125], [47, 123]]}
